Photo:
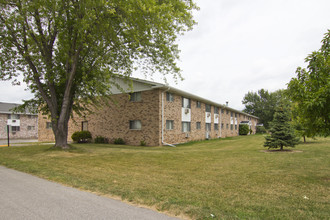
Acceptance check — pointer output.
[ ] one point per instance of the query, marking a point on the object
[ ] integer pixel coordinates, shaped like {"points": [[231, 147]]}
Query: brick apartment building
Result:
{"points": [[156, 114], [22, 125]]}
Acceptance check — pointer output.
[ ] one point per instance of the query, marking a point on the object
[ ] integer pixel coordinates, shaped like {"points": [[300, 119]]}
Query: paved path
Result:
{"points": [[23, 196]]}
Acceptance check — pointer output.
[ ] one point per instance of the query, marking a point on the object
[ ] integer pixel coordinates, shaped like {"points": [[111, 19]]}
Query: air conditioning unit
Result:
{"points": [[217, 116], [186, 111], [208, 114], [187, 135]]}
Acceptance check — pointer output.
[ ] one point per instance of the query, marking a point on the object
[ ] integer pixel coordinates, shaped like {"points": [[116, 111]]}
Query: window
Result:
{"points": [[222, 125], [135, 125], [231, 114], [13, 116], [208, 126], [216, 127], [227, 126], [227, 112], [15, 128], [135, 97], [48, 125], [231, 127], [235, 127], [222, 111], [185, 102], [198, 104], [216, 110], [198, 125], [185, 126], [169, 97], [169, 124], [84, 126], [207, 108], [31, 128], [235, 115]]}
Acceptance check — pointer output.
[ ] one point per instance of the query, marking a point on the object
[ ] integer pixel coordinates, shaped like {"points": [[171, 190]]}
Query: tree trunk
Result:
{"points": [[61, 135], [281, 147], [304, 139]]}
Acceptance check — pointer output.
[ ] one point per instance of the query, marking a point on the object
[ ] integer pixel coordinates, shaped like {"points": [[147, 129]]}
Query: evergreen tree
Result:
{"points": [[282, 132]]}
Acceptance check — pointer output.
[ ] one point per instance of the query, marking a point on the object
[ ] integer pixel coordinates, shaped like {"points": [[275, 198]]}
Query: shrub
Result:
{"points": [[143, 143], [261, 130], [119, 141], [81, 136], [101, 140], [244, 129]]}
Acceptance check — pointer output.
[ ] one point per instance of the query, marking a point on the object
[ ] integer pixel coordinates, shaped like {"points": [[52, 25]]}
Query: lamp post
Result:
{"points": [[8, 126]]}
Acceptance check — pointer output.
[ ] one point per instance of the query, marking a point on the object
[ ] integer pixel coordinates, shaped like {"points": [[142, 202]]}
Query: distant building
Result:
{"points": [[156, 114], [21, 125]]}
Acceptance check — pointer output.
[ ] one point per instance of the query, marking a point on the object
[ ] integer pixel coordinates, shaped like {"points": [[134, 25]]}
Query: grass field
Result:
{"points": [[230, 178]]}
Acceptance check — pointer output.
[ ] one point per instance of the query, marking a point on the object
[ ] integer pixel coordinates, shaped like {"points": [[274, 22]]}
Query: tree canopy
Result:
{"points": [[263, 104], [310, 92], [70, 50]]}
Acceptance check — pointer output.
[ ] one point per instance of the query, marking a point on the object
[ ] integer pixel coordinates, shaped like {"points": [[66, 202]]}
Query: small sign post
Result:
{"points": [[8, 126]]}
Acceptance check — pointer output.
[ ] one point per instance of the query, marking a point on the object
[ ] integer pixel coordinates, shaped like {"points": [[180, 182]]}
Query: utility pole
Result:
{"points": [[8, 126]]}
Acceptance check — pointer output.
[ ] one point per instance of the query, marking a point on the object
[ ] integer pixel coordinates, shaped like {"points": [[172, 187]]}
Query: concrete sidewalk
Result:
{"points": [[24, 196]]}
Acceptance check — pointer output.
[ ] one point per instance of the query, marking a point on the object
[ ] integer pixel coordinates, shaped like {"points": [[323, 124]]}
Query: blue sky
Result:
{"points": [[239, 46]]}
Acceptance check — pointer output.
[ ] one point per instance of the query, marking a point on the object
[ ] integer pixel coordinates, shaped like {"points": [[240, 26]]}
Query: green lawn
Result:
{"points": [[229, 178]]}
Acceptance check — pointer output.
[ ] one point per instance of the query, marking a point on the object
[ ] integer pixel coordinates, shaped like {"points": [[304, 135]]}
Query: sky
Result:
{"points": [[238, 46]]}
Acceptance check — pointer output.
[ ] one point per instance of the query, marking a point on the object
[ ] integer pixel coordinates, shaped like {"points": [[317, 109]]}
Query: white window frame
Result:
{"points": [[169, 124], [136, 97], [135, 125]]}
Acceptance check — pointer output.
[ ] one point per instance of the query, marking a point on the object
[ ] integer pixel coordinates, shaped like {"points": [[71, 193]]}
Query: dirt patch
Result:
{"points": [[282, 151]]}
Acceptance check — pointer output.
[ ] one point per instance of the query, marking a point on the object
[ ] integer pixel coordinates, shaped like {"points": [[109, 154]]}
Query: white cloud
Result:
{"points": [[240, 46]]}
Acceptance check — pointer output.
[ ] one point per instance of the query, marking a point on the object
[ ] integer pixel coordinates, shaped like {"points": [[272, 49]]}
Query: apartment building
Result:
{"points": [[156, 114], [21, 125]]}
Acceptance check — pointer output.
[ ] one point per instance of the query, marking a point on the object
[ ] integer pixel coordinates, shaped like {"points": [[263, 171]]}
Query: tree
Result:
{"points": [[263, 104], [310, 91], [281, 131], [71, 50]]}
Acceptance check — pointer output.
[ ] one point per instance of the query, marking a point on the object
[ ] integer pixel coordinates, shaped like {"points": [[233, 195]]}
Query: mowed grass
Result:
{"points": [[228, 178]]}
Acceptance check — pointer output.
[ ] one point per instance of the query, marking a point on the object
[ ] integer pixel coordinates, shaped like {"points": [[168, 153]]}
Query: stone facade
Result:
{"points": [[28, 127], [161, 120]]}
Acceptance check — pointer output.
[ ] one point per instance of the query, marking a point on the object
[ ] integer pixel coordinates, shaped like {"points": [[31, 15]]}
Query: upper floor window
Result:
{"points": [[231, 114], [208, 108], [169, 97], [198, 104], [222, 110], [216, 110], [13, 116], [185, 102], [135, 97]]}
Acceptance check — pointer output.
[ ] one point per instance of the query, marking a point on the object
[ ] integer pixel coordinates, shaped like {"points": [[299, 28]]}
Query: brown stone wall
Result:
{"points": [[112, 120], [28, 127]]}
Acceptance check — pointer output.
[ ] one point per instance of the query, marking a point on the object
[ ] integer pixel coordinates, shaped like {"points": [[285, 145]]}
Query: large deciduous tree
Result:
{"points": [[310, 91], [263, 104], [70, 50]]}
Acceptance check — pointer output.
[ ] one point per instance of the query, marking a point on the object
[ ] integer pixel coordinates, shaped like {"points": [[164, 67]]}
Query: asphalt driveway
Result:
{"points": [[23, 196]]}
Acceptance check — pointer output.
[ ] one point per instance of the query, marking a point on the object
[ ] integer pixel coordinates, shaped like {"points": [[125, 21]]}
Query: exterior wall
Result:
{"points": [[28, 127], [112, 121]]}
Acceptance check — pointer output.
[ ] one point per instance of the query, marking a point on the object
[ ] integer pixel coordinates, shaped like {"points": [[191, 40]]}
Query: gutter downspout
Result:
{"points": [[171, 145], [220, 123]]}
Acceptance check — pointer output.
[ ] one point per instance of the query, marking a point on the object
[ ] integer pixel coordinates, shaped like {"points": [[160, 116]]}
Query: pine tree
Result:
{"points": [[282, 132]]}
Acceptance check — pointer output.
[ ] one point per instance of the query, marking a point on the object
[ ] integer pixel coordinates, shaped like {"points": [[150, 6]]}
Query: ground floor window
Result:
{"points": [[48, 125], [15, 128], [31, 128], [216, 127], [235, 127], [169, 124], [227, 126], [231, 127], [198, 125], [208, 126], [135, 125], [84, 126], [185, 126], [222, 125]]}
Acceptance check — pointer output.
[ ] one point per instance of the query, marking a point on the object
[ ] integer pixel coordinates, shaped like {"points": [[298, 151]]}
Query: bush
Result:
{"points": [[244, 129], [261, 130], [119, 141], [101, 140], [81, 136], [143, 143]]}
